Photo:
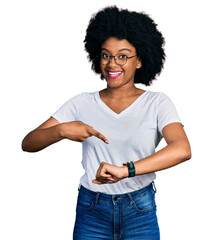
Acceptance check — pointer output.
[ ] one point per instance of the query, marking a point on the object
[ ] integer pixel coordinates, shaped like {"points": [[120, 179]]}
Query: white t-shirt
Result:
{"points": [[133, 134]]}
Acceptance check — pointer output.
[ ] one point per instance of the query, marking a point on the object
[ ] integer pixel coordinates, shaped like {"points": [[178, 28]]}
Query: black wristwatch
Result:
{"points": [[131, 168]]}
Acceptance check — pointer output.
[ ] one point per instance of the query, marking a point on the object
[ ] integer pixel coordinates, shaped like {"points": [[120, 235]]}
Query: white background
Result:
{"points": [[43, 64]]}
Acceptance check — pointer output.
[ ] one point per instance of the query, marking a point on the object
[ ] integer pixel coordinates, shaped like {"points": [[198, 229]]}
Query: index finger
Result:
{"points": [[98, 135]]}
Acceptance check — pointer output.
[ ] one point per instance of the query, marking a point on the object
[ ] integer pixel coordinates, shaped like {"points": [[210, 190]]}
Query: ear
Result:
{"points": [[139, 63]]}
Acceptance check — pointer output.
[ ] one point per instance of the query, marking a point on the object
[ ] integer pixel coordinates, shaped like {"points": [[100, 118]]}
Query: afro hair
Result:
{"points": [[138, 29]]}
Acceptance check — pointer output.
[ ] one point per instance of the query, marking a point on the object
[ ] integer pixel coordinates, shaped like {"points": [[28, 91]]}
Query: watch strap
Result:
{"points": [[131, 168]]}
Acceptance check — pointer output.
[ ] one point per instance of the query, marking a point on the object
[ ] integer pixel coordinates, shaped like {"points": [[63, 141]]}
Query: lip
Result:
{"points": [[114, 76]]}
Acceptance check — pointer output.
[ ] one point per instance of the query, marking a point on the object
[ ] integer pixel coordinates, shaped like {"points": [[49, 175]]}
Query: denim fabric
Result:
{"points": [[116, 217]]}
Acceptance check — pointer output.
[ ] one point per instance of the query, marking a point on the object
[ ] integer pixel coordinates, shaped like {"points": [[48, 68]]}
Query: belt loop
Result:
{"points": [[131, 199], [96, 198], [154, 187]]}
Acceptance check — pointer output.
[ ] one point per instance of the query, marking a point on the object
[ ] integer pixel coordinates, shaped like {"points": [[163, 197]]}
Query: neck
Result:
{"points": [[120, 93]]}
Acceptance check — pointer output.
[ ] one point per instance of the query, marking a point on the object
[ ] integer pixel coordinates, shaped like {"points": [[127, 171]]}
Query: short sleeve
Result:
{"points": [[166, 112], [68, 111]]}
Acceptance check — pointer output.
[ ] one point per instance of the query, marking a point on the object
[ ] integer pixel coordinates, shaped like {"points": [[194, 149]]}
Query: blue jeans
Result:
{"points": [[116, 217]]}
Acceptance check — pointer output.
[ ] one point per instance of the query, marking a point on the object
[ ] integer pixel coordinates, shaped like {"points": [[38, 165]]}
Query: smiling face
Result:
{"points": [[116, 75]]}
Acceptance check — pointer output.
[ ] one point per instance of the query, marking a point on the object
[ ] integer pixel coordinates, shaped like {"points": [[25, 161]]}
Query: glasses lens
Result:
{"points": [[104, 58], [120, 59]]}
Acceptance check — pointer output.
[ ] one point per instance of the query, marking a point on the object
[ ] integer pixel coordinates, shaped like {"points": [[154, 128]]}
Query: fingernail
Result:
{"points": [[106, 142], [110, 181]]}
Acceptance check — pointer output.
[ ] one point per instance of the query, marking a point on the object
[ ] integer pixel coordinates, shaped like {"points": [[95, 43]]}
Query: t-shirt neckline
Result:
{"points": [[125, 111]]}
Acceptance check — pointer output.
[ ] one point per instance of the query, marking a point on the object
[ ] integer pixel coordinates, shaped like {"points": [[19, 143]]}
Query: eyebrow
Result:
{"points": [[123, 49]]}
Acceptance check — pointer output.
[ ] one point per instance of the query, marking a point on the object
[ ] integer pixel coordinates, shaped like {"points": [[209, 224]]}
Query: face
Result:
{"points": [[116, 75]]}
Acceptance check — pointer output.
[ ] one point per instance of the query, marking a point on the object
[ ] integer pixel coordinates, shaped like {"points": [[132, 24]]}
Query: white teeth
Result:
{"points": [[114, 73]]}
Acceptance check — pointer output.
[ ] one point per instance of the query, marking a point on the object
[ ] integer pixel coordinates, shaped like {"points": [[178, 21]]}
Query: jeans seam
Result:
{"points": [[91, 206], [87, 195], [86, 209], [114, 219], [144, 211], [142, 195], [121, 221], [147, 210]]}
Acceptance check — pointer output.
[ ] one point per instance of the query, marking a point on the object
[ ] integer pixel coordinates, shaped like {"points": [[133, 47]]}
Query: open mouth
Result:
{"points": [[114, 74]]}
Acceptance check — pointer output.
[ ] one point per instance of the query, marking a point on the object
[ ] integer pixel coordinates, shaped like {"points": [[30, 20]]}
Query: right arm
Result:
{"points": [[52, 131], [43, 136]]}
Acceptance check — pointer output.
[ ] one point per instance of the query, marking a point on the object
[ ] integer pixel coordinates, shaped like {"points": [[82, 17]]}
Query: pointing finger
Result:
{"points": [[98, 135]]}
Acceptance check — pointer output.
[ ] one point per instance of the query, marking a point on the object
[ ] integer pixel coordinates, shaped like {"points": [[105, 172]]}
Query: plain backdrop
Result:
{"points": [[43, 64]]}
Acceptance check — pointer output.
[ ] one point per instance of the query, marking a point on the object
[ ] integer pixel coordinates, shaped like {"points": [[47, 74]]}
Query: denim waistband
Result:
{"points": [[124, 196]]}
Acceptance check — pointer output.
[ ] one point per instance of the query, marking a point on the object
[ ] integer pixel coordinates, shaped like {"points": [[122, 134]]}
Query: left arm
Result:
{"points": [[177, 151]]}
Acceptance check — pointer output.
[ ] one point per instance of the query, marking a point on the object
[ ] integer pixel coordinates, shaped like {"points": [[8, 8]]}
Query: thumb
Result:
{"points": [[96, 181]]}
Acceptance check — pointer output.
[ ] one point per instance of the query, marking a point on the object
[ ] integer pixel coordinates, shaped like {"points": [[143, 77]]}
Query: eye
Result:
{"points": [[122, 56], [104, 56]]}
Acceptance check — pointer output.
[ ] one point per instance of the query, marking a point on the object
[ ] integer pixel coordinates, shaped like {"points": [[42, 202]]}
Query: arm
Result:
{"points": [[43, 136], [52, 131], [178, 150]]}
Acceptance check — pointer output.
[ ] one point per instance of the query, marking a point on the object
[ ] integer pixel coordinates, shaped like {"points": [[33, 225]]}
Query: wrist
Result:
{"points": [[60, 130], [125, 171]]}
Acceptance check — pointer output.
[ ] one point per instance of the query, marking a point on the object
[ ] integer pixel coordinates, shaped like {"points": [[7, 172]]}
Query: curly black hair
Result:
{"points": [[138, 29]]}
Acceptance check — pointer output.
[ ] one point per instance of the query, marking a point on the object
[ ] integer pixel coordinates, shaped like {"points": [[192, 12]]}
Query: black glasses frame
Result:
{"points": [[111, 56]]}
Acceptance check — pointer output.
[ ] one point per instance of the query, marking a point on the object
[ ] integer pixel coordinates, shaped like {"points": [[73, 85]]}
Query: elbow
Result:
{"points": [[27, 147], [27, 144], [183, 151], [187, 153], [24, 146]]}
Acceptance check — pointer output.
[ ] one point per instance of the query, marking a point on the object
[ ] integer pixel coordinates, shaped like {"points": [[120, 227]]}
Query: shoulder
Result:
{"points": [[82, 98], [158, 99], [158, 95], [155, 95]]}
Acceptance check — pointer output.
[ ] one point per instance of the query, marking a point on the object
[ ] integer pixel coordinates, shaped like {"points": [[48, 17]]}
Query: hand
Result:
{"points": [[108, 173], [79, 131]]}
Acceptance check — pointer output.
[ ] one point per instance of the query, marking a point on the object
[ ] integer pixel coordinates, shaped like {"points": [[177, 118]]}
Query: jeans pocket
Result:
{"points": [[85, 202], [145, 202]]}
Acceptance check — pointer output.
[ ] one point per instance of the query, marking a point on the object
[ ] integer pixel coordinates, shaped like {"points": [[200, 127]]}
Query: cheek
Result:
{"points": [[102, 67], [130, 71], [131, 67], [102, 70]]}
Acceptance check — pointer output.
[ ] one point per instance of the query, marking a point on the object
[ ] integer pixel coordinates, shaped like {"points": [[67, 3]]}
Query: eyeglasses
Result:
{"points": [[120, 58]]}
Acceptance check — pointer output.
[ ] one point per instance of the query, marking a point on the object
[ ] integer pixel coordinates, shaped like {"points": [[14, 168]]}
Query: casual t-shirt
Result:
{"points": [[133, 134]]}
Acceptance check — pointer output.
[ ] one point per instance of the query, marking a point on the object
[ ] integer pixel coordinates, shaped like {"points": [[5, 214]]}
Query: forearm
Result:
{"points": [[39, 139], [167, 157]]}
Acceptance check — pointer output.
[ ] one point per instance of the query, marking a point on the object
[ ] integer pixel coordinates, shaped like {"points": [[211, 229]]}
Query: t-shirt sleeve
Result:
{"points": [[166, 112], [68, 111]]}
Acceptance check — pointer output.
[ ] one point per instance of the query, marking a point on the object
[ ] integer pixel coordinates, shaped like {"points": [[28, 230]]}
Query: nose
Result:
{"points": [[112, 61]]}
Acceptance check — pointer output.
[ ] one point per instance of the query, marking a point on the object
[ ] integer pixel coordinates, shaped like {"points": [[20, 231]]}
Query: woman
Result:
{"points": [[120, 127]]}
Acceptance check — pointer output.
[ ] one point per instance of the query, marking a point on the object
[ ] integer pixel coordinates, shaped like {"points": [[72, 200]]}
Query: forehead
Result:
{"points": [[114, 44]]}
